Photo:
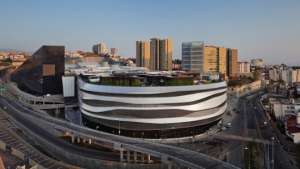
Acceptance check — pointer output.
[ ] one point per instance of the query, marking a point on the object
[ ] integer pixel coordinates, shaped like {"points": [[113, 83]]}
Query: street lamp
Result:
{"points": [[119, 128]]}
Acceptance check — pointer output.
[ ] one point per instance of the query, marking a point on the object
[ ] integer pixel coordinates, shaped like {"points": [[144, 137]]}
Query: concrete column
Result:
{"points": [[121, 156], [135, 156], [78, 140], [143, 158], [83, 140], [90, 141], [148, 158], [57, 112], [72, 138], [128, 156], [169, 165]]}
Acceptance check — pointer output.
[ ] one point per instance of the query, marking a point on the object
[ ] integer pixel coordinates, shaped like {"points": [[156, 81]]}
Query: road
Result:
{"points": [[248, 122], [281, 158], [60, 142], [8, 134], [254, 117], [184, 157]]}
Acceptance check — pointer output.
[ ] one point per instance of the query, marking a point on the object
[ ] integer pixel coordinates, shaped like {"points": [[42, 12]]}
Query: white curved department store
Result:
{"points": [[152, 111]]}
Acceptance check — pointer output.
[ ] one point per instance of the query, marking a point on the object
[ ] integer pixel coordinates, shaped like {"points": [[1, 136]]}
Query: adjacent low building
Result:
{"points": [[292, 128], [280, 107], [41, 73], [257, 62], [100, 49], [244, 68]]}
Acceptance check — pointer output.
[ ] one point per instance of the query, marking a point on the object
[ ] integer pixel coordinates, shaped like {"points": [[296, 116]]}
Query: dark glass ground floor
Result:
{"points": [[150, 134]]}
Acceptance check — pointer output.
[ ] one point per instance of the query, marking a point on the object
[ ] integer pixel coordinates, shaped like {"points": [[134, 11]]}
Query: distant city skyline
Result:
{"points": [[258, 29]]}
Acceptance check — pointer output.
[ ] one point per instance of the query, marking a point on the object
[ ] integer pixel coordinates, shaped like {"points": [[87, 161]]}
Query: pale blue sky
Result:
{"points": [[258, 28]]}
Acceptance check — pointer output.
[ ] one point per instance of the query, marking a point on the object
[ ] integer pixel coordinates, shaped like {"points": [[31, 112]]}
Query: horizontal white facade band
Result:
{"points": [[208, 104], [161, 120], [151, 100], [146, 90]]}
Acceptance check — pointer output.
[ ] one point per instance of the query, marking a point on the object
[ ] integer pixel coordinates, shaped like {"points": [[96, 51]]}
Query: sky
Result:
{"points": [[268, 29]]}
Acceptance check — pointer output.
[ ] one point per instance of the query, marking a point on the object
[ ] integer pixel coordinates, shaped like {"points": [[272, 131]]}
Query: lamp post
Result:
{"points": [[119, 128]]}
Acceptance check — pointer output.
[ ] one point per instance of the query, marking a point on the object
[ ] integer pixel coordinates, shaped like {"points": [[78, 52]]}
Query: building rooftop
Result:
{"points": [[133, 76], [291, 124]]}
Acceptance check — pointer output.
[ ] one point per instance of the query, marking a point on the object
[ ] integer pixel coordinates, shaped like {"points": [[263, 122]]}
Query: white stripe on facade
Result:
{"points": [[208, 104], [151, 100]]}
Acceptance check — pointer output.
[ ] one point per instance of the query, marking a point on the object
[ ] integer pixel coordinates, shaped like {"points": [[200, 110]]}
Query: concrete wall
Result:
{"points": [[18, 153], [2, 146], [37, 167]]}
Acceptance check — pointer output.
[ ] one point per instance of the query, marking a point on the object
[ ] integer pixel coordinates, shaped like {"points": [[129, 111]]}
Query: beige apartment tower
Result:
{"points": [[154, 54], [232, 62], [210, 59], [166, 53], [161, 52], [143, 54], [222, 61]]}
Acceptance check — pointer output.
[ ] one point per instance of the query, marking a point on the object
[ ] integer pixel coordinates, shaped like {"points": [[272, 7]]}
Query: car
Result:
{"points": [[228, 125], [223, 128]]}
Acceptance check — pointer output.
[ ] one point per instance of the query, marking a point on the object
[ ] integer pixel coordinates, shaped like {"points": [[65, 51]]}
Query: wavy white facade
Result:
{"points": [[152, 108]]}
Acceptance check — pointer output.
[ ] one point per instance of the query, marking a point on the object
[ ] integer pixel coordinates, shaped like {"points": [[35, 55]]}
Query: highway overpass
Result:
{"points": [[167, 154]]}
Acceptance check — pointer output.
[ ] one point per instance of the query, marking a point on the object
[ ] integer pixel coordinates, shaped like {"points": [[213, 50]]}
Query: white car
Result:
{"points": [[228, 125]]}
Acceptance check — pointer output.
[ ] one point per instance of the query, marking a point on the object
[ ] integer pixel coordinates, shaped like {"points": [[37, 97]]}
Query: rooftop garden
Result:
{"points": [[139, 81]]}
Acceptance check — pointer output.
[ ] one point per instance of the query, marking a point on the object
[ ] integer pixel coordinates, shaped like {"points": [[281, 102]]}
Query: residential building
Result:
{"points": [[295, 74], [257, 62], [288, 75], [282, 107], [292, 127], [232, 62], [100, 49], [274, 74], [210, 59], [244, 68], [222, 61], [165, 54], [143, 54], [113, 51], [154, 54], [161, 53]]}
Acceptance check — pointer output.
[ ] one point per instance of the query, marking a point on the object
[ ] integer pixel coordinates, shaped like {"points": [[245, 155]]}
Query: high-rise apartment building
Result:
{"points": [[154, 54], [100, 49], [210, 59], [160, 54], [232, 62], [143, 54], [165, 54], [222, 61]]}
